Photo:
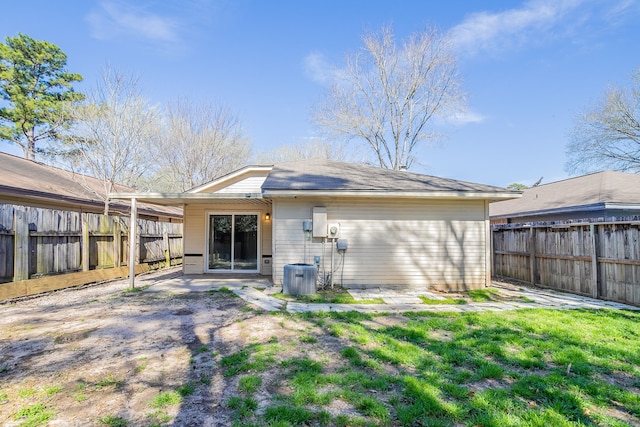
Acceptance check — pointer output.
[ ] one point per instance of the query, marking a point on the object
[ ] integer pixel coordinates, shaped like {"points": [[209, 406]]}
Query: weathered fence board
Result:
{"points": [[52, 283], [36, 242], [6, 242], [595, 259]]}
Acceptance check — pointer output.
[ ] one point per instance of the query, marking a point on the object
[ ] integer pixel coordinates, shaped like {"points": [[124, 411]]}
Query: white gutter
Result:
{"points": [[185, 196], [392, 194]]}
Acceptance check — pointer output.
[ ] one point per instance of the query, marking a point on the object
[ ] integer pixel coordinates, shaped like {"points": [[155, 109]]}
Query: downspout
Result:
{"points": [[488, 246], [133, 231]]}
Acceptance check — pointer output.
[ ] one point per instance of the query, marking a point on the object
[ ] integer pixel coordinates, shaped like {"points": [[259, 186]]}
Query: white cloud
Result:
{"points": [[115, 19], [621, 10], [317, 68], [535, 20], [466, 117], [459, 118]]}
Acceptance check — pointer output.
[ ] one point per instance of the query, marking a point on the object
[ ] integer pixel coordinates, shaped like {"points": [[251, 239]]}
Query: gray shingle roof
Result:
{"points": [[325, 175], [595, 188]]}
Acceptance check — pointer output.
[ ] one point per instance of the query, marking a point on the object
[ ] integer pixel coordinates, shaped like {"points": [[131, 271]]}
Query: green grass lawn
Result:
{"points": [[342, 296], [328, 296], [514, 368]]}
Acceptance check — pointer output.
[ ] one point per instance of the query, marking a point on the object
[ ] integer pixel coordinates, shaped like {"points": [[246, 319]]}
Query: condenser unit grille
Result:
{"points": [[299, 279]]}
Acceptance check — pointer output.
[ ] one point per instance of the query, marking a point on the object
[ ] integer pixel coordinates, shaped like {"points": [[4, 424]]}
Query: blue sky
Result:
{"points": [[529, 67]]}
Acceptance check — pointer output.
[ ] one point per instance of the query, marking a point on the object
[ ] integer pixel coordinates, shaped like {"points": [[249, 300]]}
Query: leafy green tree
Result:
{"points": [[517, 186], [36, 94]]}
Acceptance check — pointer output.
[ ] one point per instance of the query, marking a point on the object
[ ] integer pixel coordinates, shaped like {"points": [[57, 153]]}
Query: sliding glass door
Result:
{"points": [[233, 242]]}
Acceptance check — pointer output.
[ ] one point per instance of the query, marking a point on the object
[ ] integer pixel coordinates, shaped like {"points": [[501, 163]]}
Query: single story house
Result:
{"points": [[360, 225], [589, 197], [28, 183]]}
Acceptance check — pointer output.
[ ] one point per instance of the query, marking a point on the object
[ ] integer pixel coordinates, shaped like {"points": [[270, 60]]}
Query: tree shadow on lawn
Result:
{"points": [[119, 361], [528, 367]]}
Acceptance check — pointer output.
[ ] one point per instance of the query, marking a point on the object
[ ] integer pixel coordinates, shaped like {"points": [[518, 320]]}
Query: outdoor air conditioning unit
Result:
{"points": [[299, 279]]}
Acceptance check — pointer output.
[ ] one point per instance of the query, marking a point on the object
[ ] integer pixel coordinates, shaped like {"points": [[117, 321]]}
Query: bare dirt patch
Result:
{"points": [[100, 354]]}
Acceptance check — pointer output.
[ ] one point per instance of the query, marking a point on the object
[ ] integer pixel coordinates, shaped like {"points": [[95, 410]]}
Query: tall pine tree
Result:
{"points": [[36, 94]]}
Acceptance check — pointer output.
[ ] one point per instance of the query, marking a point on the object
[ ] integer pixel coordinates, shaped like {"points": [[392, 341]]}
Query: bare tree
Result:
{"points": [[114, 136], [201, 142], [608, 135], [314, 148], [387, 95]]}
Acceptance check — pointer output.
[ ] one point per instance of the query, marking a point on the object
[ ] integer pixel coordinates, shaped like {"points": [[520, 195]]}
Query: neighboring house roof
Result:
{"points": [[323, 178], [314, 176], [27, 181], [601, 190]]}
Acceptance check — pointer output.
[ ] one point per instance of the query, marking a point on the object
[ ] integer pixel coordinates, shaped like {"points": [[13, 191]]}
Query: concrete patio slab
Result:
{"points": [[202, 283]]}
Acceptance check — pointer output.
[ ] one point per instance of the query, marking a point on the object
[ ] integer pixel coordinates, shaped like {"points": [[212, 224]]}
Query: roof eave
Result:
{"points": [[176, 199], [53, 198], [569, 209], [553, 211]]}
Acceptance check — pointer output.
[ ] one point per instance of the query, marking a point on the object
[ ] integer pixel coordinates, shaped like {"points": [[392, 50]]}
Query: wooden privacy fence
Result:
{"points": [[600, 260], [37, 242]]}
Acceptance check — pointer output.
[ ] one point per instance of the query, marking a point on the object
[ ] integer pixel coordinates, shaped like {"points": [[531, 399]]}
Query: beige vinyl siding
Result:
{"points": [[194, 239], [250, 182], [195, 233], [404, 242]]}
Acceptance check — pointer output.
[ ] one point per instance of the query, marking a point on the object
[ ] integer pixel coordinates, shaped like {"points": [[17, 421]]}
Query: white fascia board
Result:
{"points": [[394, 194], [618, 205]]}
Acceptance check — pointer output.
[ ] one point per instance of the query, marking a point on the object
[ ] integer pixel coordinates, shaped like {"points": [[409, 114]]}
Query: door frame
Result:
{"points": [[207, 241]]}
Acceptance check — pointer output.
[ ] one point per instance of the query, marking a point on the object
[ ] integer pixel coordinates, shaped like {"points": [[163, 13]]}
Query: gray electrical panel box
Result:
{"points": [[342, 244], [307, 225], [319, 221]]}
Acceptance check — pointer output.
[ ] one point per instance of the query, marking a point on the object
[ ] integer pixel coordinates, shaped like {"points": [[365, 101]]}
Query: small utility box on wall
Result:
{"points": [[266, 265], [319, 221]]}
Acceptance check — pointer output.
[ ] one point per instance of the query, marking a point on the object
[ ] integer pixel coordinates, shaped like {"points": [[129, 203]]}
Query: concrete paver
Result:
{"points": [[373, 293], [258, 298]]}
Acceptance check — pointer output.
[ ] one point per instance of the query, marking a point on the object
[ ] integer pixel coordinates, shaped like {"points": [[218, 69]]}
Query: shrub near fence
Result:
{"points": [[600, 259], [36, 242]]}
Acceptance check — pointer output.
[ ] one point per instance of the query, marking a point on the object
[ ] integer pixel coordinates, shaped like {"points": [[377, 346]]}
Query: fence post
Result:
{"points": [[20, 244], [85, 241], [117, 242], [492, 250], [165, 245], [594, 261], [133, 234], [532, 255]]}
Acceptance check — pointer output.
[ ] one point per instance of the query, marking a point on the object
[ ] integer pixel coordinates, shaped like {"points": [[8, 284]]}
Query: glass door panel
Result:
{"points": [[233, 242], [245, 242], [220, 244]]}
